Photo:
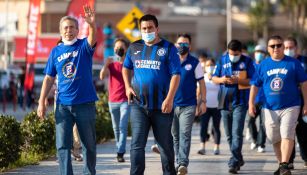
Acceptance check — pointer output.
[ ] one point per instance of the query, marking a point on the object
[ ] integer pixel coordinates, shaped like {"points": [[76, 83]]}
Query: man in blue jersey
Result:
{"points": [[156, 74], [233, 73], [291, 49], [185, 102], [71, 61], [279, 76]]}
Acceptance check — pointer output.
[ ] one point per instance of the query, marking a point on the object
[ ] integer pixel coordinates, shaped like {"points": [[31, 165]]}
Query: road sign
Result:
{"points": [[129, 25]]}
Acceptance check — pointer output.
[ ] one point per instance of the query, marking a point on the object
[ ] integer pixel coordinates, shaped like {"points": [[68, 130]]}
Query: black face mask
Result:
{"points": [[120, 52], [182, 50]]}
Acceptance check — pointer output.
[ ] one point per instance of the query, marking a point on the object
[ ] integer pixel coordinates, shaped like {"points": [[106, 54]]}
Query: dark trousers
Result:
{"points": [[259, 137]]}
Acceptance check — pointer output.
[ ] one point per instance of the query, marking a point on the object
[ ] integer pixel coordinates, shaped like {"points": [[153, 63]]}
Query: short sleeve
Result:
{"points": [[199, 73], [256, 78], [300, 73], [50, 66], [128, 62], [174, 62], [88, 47]]}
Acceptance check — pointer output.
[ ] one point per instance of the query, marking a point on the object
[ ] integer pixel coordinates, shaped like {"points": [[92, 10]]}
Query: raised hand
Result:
{"points": [[89, 14]]}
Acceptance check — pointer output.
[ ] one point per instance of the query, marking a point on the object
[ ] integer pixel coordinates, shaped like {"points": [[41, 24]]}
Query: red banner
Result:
{"points": [[34, 17], [75, 9]]}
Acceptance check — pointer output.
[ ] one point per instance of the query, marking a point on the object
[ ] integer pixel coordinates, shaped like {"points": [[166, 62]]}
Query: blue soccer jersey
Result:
{"points": [[153, 68], [303, 61], [233, 95], [260, 95], [280, 80], [191, 72], [73, 66]]}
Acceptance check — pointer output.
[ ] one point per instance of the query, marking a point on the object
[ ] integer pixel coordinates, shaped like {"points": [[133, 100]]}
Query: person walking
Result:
{"points": [[279, 76], [258, 136], [118, 101], [71, 62], [186, 101], [156, 76], [233, 73], [291, 49], [213, 112]]}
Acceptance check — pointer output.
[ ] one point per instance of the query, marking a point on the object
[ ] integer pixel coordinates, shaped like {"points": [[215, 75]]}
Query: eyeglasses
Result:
{"points": [[275, 46], [183, 44]]}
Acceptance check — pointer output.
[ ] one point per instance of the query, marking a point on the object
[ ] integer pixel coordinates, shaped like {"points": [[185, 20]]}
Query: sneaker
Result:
{"points": [[291, 166], [216, 151], [182, 170], [276, 172], [260, 149], [305, 165], [253, 146], [79, 159], [120, 157], [284, 169], [202, 152], [233, 170], [241, 163], [155, 149], [76, 155]]}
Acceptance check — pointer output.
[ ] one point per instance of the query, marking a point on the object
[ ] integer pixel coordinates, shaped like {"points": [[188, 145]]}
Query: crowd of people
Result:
{"points": [[161, 86]]}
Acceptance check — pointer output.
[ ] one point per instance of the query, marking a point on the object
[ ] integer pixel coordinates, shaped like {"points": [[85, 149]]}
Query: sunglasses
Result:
{"points": [[275, 46], [183, 44]]}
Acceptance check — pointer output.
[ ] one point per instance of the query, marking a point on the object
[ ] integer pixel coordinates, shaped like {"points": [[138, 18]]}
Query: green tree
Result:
{"points": [[259, 19]]}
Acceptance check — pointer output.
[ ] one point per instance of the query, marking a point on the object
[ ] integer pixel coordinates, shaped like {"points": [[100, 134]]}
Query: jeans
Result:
{"points": [[161, 123], [84, 115], [234, 126], [259, 137], [204, 121], [120, 117], [181, 131]]}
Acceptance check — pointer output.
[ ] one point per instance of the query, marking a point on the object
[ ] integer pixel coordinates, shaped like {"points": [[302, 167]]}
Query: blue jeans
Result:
{"points": [[181, 131], [204, 122], [259, 137], [120, 117], [161, 123], [84, 115], [234, 126]]}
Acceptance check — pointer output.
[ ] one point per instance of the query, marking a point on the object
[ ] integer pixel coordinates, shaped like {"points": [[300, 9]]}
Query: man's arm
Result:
{"points": [[251, 102], [47, 84], [203, 93], [127, 75], [167, 104], [304, 92], [90, 19]]}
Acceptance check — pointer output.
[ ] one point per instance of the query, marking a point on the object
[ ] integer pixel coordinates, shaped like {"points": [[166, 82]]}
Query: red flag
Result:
{"points": [[75, 9], [34, 17]]}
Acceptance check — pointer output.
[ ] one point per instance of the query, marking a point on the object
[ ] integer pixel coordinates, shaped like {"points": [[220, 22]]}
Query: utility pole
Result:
{"points": [[228, 20]]}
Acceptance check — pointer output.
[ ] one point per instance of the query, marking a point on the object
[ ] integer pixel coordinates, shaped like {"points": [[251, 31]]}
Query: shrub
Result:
{"points": [[104, 130], [39, 135], [10, 140]]}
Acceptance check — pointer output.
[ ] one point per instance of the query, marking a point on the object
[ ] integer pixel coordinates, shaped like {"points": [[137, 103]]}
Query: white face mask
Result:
{"points": [[210, 69], [69, 42], [149, 37], [234, 59], [290, 52]]}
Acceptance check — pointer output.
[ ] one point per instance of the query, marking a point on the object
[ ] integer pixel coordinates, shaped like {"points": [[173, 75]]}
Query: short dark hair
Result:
{"points": [[126, 43], [275, 37], [290, 38], [149, 17], [235, 45], [211, 59], [185, 35]]}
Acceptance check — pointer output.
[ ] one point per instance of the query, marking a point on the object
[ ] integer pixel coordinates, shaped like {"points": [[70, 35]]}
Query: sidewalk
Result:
{"points": [[255, 163]]}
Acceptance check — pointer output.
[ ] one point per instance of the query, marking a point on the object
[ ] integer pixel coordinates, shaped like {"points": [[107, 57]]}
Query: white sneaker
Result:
{"points": [[182, 170], [261, 150], [253, 146]]}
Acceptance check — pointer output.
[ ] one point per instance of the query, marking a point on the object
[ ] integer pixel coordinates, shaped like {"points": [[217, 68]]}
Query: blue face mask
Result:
{"points": [[259, 57], [149, 37], [234, 58], [107, 31]]}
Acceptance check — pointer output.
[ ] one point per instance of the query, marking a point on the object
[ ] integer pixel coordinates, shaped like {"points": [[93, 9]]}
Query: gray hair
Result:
{"points": [[71, 18]]}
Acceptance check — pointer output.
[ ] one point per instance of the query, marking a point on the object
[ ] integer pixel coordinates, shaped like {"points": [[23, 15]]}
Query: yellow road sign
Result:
{"points": [[129, 25]]}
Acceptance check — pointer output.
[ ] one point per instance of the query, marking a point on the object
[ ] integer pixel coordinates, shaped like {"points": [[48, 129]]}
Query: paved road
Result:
{"points": [[255, 163]]}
